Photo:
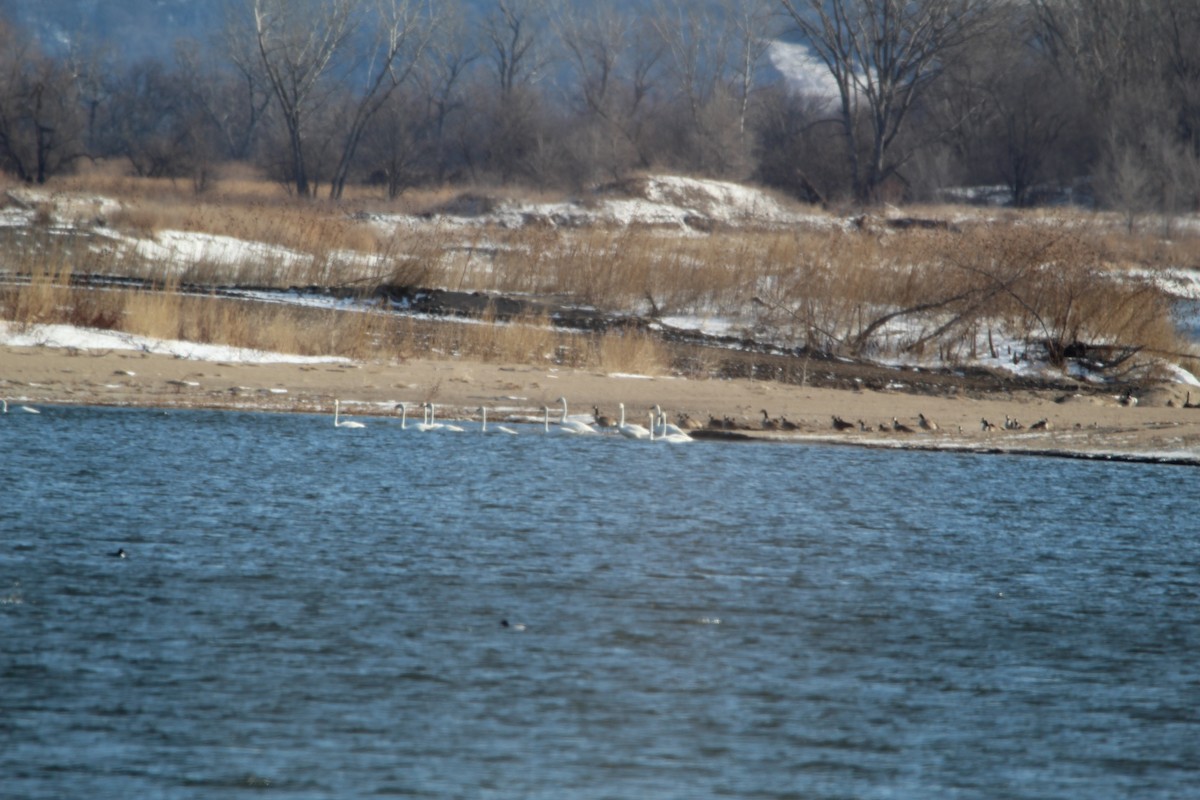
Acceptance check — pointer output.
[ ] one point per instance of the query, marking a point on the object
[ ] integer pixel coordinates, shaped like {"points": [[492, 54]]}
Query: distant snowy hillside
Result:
{"points": [[801, 70]]}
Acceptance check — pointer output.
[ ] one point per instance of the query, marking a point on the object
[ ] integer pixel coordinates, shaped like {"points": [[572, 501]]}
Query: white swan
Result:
{"points": [[630, 430], [427, 424], [403, 416], [26, 409], [675, 436], [445, 427], [573, 425], [483, 428], [337, 423], [557, 428], [668, 427]]}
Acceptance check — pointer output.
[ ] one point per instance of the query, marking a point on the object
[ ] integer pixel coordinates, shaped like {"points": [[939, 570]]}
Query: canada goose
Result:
{"points": [[986, 426], [926, 424], [1042, 424], [1128, 399], [841, 424], [602, 420], [865, 428], [120, 553], [900, 427], [769, 424], [885, 427], [688, 423], [787, 425], [1011, 424]]}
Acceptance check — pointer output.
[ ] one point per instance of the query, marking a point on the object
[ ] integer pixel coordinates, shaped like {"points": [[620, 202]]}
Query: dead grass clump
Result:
{"points": [[140, 220], [154, 314], [529, 339], [631, 351], [46, 298]]}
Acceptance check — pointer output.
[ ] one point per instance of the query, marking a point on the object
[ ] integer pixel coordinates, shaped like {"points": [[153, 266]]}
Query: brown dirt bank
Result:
{"points": [[1084, 425]]}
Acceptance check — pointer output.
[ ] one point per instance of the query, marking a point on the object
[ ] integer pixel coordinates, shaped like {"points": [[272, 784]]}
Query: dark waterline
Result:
{"points": [[315, 613]]}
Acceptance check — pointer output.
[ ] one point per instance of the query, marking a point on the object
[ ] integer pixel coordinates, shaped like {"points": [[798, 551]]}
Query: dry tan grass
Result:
{"points": [[1049, 272]]}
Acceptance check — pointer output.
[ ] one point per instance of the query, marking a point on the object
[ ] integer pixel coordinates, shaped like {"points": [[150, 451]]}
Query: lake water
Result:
{"points": [[311, 612]]}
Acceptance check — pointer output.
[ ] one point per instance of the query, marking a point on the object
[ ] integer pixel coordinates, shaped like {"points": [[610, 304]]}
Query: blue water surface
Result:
{"points": [[311, 612]]}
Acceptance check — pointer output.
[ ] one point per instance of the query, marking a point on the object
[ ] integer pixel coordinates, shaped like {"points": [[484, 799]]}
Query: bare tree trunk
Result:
{"points": [[403, 35], [297, 50], [882, 54]]}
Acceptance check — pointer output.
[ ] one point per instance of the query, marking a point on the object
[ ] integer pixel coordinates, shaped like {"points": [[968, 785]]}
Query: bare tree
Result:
{"points": [[1007, 114], [400, 32], [41, 122], [235, 98], [518, 52], [454, 49], [883, 55], [1140, 70], [613, 65], [297, 41], [515, 47]]}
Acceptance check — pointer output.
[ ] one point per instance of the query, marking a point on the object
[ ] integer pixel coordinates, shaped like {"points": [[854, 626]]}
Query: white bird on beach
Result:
{"points": [[483, 428], [630, 430], [338, 423]]}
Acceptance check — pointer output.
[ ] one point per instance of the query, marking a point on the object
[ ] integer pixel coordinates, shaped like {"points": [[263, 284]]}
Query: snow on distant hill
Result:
{"points": [[801, 70]]}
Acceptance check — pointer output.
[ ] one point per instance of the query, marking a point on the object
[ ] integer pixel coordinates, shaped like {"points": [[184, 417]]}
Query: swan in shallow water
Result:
{"points": [[630, 430], [427, 423], [445, 427], [675, 436], [403, 416], [338, 423], [668, 427], [26, 409], [557, 428], [483, 428], [573, 425]]}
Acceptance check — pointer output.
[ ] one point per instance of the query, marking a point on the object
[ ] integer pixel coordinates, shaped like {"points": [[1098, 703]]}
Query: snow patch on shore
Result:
{"points": [[69, 336]]}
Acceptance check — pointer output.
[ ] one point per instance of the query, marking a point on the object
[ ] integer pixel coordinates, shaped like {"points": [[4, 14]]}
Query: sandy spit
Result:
{"points": [[1084, 427]]}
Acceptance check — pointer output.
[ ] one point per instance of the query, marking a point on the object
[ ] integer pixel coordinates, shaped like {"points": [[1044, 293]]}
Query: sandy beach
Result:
{"points": [[1158, 428]]}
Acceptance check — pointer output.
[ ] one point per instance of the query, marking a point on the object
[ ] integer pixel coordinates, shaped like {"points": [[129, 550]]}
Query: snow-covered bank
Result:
{"points": [[71, 337]]}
